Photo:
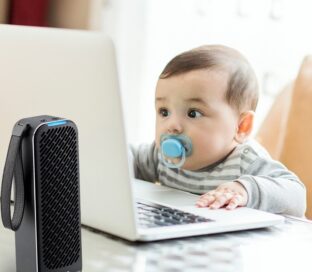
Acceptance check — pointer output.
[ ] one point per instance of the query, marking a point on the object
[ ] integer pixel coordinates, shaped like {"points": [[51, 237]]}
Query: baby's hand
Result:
{"points": [[229, 195]]}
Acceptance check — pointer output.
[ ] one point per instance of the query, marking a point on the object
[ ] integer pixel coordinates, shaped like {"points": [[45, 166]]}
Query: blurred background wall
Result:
{"points": [[272, 34], [3, 11]]}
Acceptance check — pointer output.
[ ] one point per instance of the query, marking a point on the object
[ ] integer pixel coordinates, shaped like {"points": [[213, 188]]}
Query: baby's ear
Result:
{"points": [[245, 126]]}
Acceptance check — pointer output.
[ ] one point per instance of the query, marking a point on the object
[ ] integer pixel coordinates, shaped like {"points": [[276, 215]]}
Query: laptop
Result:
{"points": [[73, 74]]}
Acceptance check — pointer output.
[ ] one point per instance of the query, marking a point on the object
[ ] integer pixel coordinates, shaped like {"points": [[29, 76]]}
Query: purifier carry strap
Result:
{"points": [[13, 167]]}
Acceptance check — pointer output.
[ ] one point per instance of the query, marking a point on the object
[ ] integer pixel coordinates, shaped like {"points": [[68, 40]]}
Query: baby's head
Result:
{"points": [[208, 94]]}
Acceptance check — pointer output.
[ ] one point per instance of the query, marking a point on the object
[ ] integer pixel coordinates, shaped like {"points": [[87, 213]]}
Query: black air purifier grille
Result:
{"points": [[58, 197]]}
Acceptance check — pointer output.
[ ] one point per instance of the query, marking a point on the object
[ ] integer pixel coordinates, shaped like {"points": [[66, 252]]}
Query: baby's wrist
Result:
{"points": [[243, 190]]}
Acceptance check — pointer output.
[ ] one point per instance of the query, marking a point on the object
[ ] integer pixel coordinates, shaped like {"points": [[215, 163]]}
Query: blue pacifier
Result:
{"points": [[174, 147]]}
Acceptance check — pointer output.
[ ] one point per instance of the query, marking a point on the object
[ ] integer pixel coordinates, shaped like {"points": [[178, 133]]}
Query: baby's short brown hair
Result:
{"points": [[242, 90]]}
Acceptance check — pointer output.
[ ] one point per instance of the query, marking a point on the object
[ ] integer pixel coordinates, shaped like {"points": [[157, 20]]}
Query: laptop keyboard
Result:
{"points": [[153, 215]]}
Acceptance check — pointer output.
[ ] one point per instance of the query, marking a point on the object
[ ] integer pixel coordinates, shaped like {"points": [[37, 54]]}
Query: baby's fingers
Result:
{"points": [[235, 202], [206, 199], [221, 200]]}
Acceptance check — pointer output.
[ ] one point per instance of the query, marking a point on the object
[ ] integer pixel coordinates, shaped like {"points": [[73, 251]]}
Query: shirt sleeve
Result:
{"points": [[273, 188], [144, 159]]}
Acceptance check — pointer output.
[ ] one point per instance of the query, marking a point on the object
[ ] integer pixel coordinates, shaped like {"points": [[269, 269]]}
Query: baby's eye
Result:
{"points": [[194, 114], [163, 112]]}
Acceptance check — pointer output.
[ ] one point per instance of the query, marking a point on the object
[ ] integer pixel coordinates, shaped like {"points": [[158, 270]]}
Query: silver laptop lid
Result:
{"points": [[72, 74]]}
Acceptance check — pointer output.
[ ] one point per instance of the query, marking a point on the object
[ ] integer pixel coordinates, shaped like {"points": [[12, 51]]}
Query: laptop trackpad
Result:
{"points": [[162, 194]]}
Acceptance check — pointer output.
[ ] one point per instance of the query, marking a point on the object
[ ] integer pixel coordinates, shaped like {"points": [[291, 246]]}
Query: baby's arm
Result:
{"points": [[272, 187], [267, 185], [144, 160]]}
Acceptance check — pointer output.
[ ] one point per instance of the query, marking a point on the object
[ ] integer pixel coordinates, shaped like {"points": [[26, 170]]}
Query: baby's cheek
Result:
{"points": [[157, 139], [202, 146], [206, 152], [157, 143]]}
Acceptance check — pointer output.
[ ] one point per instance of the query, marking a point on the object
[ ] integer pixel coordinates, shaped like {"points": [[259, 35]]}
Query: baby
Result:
{"points": [[205, 102]]}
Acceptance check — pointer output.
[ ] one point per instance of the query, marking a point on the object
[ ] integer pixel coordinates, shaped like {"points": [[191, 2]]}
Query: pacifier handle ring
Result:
{"points": [[170, 165]]}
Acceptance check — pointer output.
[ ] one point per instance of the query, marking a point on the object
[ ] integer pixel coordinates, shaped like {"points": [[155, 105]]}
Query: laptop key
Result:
{"points": [[155, 215]]}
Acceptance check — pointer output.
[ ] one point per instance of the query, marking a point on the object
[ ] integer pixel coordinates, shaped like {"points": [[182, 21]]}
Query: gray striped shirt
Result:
{"points": [[269, 184]]}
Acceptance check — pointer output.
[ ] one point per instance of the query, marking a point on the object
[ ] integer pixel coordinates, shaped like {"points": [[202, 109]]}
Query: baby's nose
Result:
{"points": [[175, 126]]}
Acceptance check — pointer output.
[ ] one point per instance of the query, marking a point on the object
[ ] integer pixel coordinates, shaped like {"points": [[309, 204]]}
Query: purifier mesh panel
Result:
{"points": [[59, 212]]}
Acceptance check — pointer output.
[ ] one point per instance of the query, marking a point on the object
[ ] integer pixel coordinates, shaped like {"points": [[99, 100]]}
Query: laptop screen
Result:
{"points": [[71, 74]]}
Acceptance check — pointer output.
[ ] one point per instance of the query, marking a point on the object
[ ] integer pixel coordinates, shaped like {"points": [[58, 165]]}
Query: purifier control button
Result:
{"points": [[43, 120]]}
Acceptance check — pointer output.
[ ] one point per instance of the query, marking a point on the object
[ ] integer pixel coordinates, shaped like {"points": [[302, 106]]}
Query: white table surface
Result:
{"points": [[286, 247]]}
